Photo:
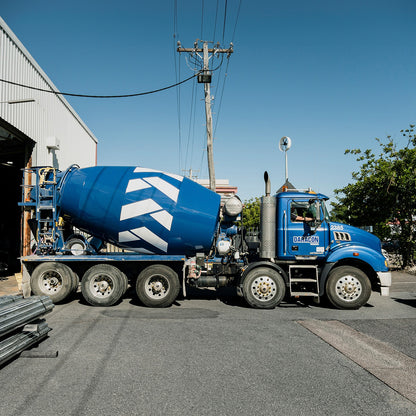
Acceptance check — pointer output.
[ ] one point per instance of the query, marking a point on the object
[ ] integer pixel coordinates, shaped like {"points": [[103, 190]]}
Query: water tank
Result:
{"points": [[140, 209]]}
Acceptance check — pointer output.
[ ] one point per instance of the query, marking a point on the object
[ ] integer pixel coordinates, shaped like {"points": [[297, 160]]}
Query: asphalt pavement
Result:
{"points": [[212, 355]]}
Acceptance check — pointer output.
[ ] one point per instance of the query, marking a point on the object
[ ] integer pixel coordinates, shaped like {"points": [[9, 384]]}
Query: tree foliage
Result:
{"points": [[251, 213], [383, 193]]}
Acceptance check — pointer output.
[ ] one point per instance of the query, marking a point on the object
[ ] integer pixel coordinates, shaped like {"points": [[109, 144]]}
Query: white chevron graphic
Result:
{"points": [[147, 170], [151, 238], [127, 236], [146, 235], [169, 190], [136, 185], [138, 208], [148, 207], [164, 218], [165, 187]]}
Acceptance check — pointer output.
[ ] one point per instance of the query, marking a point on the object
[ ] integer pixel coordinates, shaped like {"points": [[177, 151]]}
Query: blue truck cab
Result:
{"points": [[317, 257]]}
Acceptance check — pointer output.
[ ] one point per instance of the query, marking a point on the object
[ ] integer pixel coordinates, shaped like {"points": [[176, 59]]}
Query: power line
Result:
{"points": [[226, 70], [101, 96], [225, 20], [191, 125], [222, 93], [177, 77], [202, 20], [236, 20], [215, 24]]}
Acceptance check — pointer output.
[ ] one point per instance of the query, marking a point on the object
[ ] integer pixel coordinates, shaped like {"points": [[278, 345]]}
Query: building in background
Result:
{"points": [[223, 188], [36, 129]]}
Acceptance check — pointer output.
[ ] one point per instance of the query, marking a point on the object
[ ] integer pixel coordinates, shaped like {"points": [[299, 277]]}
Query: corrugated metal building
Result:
{"points": [[36, 129]]}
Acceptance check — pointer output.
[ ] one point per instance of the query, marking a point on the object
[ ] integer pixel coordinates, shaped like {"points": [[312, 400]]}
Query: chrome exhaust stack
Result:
{"points": [[268, 222]]}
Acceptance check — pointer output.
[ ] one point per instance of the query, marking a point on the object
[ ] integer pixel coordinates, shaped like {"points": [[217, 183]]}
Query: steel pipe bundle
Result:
{"points": [[23, 339], [20, 326]]}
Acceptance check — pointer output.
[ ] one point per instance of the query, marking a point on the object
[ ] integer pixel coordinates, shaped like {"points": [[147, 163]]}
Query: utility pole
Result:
{"points": [[191, 174], [208, 116], [204, 77]]}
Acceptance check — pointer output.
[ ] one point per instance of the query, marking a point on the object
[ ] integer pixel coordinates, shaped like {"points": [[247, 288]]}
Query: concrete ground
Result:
{"points": [[212, 355], [9, 286]]}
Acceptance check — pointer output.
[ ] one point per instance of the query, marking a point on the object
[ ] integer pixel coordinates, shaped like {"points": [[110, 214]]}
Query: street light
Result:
{"points": [[284, 145]]}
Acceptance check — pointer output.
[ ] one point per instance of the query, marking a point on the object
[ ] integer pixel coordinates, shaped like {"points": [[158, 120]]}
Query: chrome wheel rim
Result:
{"points": [[263, 288], [156, 286], [348, 288], [51, 282], [101, 286]]}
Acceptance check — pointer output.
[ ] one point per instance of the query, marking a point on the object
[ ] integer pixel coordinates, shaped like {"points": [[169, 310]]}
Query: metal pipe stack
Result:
{"points": [[20, 326]]}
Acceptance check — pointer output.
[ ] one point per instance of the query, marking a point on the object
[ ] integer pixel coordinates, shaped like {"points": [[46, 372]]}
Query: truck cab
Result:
{"points": [[301, 253], [303, 227], [313, 256], [305, 233]]}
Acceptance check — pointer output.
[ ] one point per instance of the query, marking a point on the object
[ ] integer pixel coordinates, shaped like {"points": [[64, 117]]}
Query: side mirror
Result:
{"points": [[316, 223], [318, 211]]}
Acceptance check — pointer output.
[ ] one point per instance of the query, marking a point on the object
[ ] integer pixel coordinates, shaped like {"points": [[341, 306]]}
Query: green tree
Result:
{"points": [[384, 193], [251, 213]]}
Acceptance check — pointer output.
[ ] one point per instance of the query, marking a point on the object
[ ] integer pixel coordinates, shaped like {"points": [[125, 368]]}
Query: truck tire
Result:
{"points": [[348, 287], [52, 279], [263, 288], [157, 286], [76, 246], [75, 282], [103, 285]]}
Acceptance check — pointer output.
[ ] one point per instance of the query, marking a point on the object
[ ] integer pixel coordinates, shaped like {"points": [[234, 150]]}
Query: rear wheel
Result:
{"points": [[348, 287], [157, 286], [264, 288], [75, 282], [52, 279], [103, 285]]}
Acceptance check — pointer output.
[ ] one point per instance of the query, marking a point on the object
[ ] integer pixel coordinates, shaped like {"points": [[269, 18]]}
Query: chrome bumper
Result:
{"points": [[385, 282]]}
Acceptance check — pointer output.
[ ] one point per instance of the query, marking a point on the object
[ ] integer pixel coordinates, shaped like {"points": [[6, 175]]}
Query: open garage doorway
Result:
{"points": [[15, 151]]}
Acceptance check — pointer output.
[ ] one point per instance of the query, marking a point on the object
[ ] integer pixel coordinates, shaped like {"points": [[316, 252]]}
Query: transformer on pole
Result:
{"points": [[204, 77]]}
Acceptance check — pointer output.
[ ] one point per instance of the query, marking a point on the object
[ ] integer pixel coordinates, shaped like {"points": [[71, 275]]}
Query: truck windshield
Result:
{"points": [[326, 214]]}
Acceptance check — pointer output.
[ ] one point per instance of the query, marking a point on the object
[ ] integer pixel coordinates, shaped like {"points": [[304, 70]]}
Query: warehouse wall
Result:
{"points": [[40, 129], [49, 120]]}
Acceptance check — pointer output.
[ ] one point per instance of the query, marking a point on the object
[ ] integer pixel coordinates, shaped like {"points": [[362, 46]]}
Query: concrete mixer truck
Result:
{"points": [[172, 233]]}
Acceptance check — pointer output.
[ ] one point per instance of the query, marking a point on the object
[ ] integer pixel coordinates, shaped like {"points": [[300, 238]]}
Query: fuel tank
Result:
{"points": [[140, 209]]}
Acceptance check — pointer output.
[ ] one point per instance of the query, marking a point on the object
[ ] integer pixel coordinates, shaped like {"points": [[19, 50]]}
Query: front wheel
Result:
{"points": [[103, 285], [264, 288], [348, 287], [157, 286]]}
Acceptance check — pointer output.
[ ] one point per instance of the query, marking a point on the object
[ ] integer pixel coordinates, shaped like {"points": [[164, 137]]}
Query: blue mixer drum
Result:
{"points": [[140, 209]]}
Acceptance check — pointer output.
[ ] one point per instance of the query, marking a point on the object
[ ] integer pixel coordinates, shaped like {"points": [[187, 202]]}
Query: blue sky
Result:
{"points": [[329, 74]]}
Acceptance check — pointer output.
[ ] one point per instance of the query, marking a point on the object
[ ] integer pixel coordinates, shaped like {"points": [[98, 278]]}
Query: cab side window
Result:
{"points": [[301, 211]]}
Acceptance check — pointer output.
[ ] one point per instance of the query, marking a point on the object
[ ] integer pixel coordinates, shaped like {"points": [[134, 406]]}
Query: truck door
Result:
{"points": [[307, 232]]}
